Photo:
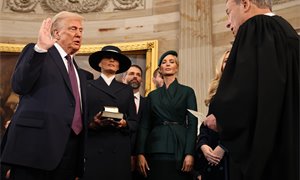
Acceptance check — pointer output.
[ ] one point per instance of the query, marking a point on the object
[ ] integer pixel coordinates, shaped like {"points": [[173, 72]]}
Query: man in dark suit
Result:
{"points": [[133, 77], [45, 139]]}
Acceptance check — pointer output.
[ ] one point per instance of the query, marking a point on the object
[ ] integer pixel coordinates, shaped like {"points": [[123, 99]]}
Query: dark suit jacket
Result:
{"points": [[88, 74], [109, 148], [140, 114], [41, 125], [141, 108]]}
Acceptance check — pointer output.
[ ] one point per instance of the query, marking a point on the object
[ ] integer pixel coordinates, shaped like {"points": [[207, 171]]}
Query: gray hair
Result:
{"points": [[259, 3]]}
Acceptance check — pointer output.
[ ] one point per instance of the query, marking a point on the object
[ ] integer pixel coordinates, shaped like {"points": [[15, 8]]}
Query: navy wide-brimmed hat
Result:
{"points": [[110, 52], [172, 52]]}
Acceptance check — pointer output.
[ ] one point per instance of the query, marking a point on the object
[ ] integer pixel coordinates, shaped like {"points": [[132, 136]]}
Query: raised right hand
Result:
{"points": [[45, 40]]}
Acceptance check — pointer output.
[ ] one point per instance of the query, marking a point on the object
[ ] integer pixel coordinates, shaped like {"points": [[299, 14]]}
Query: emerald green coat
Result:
{"points": [[168, 127]]}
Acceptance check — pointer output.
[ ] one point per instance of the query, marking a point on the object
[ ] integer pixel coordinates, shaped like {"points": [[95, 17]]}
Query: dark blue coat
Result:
{"points": [[40, 128]]}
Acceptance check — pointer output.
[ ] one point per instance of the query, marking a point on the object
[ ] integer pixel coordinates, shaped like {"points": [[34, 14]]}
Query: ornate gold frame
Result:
{"points": [[150, 46]]}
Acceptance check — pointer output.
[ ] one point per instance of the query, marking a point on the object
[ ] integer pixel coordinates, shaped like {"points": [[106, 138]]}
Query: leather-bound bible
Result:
{"points": [[111, 113]]}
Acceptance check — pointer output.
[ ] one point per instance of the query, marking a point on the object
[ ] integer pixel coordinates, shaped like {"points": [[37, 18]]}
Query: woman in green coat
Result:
{"points": [[167, 133]]}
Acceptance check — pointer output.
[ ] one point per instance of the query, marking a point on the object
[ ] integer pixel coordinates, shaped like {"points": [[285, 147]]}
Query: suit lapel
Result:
{"points": [[171, 96], [110, 90], [61, 66], [117, 86], [83, 82], [142, 104], [101, 85]]}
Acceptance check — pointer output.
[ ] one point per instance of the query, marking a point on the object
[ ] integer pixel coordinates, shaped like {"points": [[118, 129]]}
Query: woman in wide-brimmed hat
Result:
{"points": [[108, 142], [109, 54]]}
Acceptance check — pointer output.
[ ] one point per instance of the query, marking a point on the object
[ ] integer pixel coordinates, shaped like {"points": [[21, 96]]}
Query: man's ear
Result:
{"points": [[56, 34], [153, 81], [246, 5]]}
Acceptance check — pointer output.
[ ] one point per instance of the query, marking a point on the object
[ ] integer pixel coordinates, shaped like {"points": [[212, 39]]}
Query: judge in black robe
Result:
{"points": [[257, 103]]}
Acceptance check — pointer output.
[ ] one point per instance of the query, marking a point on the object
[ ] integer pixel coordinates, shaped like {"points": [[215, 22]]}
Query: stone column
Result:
{"points": [[195, 47]]}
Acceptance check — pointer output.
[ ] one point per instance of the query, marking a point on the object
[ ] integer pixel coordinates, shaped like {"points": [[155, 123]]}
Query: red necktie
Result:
{"points": [[77, 121]]}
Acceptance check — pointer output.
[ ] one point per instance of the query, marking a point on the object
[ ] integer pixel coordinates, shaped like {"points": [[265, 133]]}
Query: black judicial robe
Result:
{"points": [[257, 102]]}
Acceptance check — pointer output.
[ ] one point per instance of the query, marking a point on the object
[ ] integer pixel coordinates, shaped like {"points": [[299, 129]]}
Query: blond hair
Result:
{"points": [[58, 19], [215, 82]]}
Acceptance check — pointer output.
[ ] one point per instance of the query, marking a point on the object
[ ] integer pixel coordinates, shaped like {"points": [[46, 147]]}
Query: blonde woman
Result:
{"points": [[167, 134], [212, 163]]}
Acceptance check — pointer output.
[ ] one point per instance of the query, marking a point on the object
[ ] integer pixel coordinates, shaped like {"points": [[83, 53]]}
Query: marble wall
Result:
{"points": [[195, 28]]}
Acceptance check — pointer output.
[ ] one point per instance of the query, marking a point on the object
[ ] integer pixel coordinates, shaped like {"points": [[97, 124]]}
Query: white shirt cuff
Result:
{"points": [[39, 50]]}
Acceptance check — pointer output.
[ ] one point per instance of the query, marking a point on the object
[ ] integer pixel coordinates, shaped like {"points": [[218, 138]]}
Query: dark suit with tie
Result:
{"points": [[41, 126], [135, 174], [108, 148], [140, 113], [141, 107]]}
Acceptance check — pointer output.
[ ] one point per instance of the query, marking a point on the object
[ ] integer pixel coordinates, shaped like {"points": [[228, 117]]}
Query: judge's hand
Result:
{"points": [[209, 155], [210, 122], [218, 151], [45, 40], [142, 165], [188, 163]]}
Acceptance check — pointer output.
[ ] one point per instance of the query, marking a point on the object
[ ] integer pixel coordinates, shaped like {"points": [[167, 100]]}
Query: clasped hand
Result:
{"points": [[213, 156]]}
